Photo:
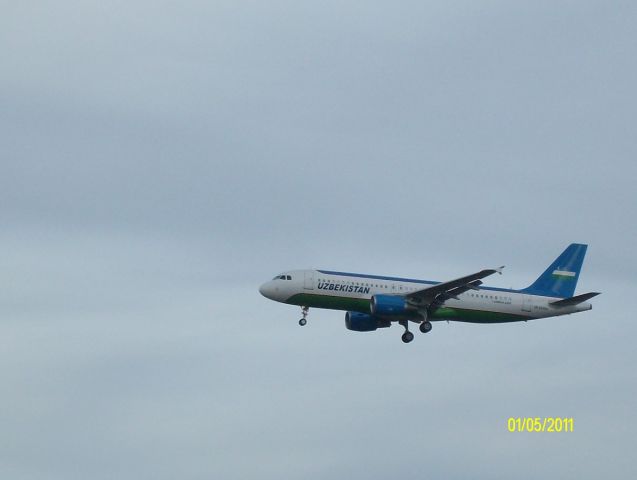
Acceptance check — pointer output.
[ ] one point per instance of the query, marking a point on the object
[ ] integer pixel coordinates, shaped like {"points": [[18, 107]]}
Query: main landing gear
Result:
{"points": [[407, 336], [304, 312], [425, 327]]}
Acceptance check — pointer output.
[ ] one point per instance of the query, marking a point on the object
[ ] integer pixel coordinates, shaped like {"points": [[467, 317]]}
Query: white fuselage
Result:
{"points": [[342, 291]]}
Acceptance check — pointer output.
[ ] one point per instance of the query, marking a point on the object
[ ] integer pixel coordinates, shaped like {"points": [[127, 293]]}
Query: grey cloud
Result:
{"points": [[160, 161]]}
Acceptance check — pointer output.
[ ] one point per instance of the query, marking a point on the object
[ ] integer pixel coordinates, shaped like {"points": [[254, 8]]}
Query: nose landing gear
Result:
{"points": [[304, 312]]}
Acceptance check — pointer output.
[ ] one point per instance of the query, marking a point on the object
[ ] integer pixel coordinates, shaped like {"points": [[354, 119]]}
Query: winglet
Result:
{"points": [[499, 270]]}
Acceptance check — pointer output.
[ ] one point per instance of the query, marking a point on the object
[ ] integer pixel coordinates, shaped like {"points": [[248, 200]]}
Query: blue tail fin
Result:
{"points": [[560, 279]]}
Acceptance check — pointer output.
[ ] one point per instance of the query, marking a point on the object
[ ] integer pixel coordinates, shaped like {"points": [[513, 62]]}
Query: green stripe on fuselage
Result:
{"points": [[362, 305], [475, 316], [330, 302]]}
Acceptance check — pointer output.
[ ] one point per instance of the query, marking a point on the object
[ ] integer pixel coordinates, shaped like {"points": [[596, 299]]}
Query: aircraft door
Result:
{"points": [[309, 280], [526, 303]]}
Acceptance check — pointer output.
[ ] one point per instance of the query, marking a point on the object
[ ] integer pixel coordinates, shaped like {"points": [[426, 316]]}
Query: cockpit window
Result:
{"points": [[282, 277]]}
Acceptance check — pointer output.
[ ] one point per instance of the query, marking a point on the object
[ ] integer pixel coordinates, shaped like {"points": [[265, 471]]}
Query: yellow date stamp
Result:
{"points": [[540, 424]]}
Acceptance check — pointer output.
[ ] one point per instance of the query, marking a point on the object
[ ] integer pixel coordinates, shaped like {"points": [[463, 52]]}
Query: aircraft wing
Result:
{"points": [[451, 289]]}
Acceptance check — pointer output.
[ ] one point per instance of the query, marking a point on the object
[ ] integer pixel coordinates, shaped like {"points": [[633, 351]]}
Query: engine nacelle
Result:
{"points": [[390, 305], [362, 322]]}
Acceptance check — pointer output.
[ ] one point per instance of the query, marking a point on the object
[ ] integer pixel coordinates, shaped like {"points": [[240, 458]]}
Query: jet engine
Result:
{"points": [[390, 305], [362, 322]]}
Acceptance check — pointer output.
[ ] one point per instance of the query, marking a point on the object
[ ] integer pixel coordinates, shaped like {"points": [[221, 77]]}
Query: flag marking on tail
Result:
{"points": [[563, 274]]}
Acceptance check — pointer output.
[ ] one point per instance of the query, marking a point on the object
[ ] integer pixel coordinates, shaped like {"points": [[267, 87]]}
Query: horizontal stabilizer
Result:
{"points": [[574, 300]]}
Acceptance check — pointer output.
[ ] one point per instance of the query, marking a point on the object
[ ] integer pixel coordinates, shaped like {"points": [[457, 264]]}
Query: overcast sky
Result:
{"points": [[160, 160]]}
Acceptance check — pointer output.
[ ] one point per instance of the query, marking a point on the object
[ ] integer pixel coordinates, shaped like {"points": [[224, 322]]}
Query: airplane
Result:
{"points": [[373, 301]]}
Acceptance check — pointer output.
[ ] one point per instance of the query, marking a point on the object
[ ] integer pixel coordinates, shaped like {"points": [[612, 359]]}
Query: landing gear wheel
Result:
{"points": [[304, 312], [407, 337], [425, 326]]}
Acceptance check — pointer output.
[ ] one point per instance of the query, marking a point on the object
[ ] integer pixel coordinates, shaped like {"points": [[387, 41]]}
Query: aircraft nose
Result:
{"points": [[266, 290]]}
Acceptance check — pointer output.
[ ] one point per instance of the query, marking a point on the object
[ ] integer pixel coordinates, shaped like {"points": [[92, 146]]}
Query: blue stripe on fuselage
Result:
{"points": [[411, 280]]}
